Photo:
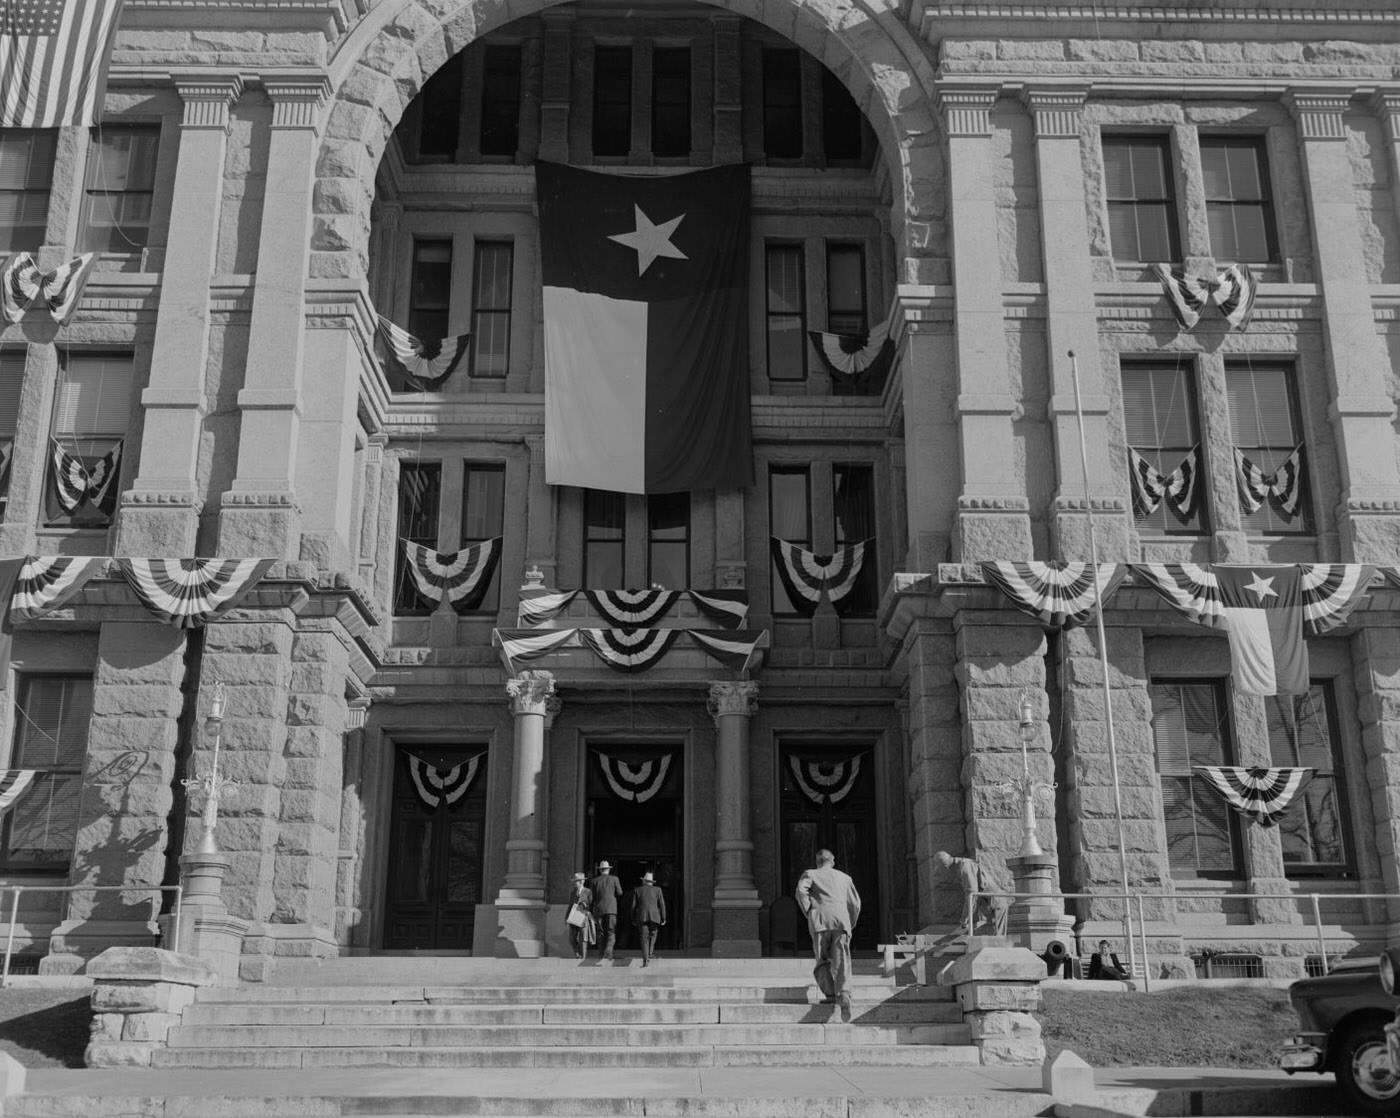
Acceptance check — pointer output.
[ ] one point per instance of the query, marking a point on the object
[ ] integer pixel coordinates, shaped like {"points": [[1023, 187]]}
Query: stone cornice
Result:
{"points": [[1244, 12], [332, 18]]}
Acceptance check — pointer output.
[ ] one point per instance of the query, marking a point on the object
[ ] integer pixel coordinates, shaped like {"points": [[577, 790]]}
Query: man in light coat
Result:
{"points": [[648, 913], [607, 891], [829, 900]]}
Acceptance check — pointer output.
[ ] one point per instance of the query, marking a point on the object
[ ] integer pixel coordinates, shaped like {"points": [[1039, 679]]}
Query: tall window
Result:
{"points": [[92, 405], [612, 100], [843, 125], [845, 289], [853, 514], [790, 519], [1301, 735], [782, 103], [1190, 727], [420, 495], [119, 188], [668, 540], [1159, 414], [491, 280], [440, 104], [1266, 429], [26, 173], [51, 734], [483, 516], [11, 382], [500, 100], [604, 540], [787, 313], [1141, 201], [430, 289], [1238, 203], [670, 101]]}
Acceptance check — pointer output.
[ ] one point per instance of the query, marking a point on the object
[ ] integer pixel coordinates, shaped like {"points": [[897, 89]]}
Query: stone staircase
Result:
{"points": [[555, 1013]]}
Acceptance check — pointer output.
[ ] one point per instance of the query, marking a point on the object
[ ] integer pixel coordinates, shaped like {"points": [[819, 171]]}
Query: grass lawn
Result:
{"points": [[1195, 1026], [45, 1028]]}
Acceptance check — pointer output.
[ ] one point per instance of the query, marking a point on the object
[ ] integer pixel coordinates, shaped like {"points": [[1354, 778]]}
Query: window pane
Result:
{"points": [[430, 289], [670, 101], [668, 548], [782, 103], [1300, 736], [1160, 424], [604, 531], [11, 383], [1189, 728], [789, 518], [1261, 412], [1118, 169], [1141, 201], [441, 104], [483, 514], [853, 510], [52, 727], [845, 289], [420, 492], [1215, 169], [612, 100], [843, 126], [93, 398], [500, 101], [491, 290], [1149, 167], [27, 158], [43, 825], [787, 322]]}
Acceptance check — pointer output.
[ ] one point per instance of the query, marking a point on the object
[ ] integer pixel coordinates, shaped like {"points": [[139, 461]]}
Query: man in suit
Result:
{"points": [[607, 891], [648, 913], [1104, 964], [829, 900]]}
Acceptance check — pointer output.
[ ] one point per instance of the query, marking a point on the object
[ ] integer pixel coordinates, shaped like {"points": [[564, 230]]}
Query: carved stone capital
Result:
{"points": [[733, 697], [1057, 112], [207, 99], [356, 712], [967, 112], [553, 706], [530, 692], [1319, 113], [296, 100]]}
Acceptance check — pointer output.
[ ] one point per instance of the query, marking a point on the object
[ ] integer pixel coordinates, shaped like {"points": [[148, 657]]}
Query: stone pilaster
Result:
{"points": [[993, 520], [260, 513], [1376, 666], [557, 84], [731, 565], [1358, 370], [369, 510], [521, 905], [541, 540], [159, 514], [729, 121], [736, 905]]}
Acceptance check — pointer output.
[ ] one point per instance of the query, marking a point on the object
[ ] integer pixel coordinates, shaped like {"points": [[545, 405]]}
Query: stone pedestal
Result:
{"points": [[736, 902], [998, 989], [206, 930], [138, 993], [1034, 921]]}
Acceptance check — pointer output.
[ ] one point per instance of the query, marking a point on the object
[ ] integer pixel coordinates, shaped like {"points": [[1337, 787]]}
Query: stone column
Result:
{"points": [[1357, 366], [1071, 324], [521, 906], [736, 904], [160, 513], [260, 515], [369, 508]]}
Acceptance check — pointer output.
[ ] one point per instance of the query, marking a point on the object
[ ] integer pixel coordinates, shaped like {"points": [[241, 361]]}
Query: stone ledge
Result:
{"points": [[150, 964]]}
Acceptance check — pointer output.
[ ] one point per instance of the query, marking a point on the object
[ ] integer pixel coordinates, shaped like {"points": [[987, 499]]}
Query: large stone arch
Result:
{"points": [[385, 60]]}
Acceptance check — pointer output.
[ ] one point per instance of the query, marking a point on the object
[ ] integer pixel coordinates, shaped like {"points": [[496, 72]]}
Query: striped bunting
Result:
{"points": [[730, 608], [1233, 291], [629, 650], [462, 577], [53, 61], [188, 593], [423, 365], [636, 781], [1331, 591], [545, 608], [7, 455], [1186, 294], [435, 785], [520, 646], [9, 575], [49, 582], [1059, 595], [86, 478], [14, 783], [734, 648], [805, 574], [824, 782], [1151, 486], [632, 609], [60, 289], [1391, 575], [1284, 485], [1262, 794], [856, 359]]}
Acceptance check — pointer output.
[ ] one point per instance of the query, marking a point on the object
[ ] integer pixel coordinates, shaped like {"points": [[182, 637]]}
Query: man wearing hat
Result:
{"points": [[580, 899], [607, 891], [648, 914]]}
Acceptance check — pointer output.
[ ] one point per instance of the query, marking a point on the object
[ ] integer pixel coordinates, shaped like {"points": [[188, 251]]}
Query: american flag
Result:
{"points": [[53, 60]]}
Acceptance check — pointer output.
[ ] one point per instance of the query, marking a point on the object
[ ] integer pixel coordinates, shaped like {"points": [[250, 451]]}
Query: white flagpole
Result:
{"points": [[1103, 662]]}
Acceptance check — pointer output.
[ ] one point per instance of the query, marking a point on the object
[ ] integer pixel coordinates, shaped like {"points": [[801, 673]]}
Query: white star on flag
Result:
{"points": [[1261, 587], [651, 240]]}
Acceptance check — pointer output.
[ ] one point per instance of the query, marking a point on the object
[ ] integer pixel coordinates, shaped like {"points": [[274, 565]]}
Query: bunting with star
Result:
{"points": [[646, 329]]}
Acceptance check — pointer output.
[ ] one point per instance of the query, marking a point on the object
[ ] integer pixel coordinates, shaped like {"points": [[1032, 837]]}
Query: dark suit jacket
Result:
{"points": [[648, 905], [1097, 963], [607, 891]]}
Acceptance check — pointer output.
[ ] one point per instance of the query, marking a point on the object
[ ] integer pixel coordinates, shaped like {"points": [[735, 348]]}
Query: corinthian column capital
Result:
{"points": [[733, 697], [530, 692]]}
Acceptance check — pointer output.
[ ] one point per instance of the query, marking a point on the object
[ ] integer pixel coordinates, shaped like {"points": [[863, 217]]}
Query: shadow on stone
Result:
{"points": [[48, 1036]]}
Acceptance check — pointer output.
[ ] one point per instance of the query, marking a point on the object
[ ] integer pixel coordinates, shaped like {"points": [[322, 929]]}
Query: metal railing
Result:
{"points": [[18, 891], [1130, 900]]}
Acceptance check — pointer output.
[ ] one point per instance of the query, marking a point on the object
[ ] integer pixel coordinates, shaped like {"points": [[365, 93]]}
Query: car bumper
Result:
{"points": [[1301, 1054]]}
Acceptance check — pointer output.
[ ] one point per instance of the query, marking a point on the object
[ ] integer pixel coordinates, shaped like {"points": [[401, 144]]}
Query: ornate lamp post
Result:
{"points": [[1027, 787], [211, 783]]}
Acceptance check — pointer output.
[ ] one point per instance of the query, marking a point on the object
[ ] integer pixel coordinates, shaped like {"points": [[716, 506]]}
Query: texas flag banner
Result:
{"points": [[645, 329]]}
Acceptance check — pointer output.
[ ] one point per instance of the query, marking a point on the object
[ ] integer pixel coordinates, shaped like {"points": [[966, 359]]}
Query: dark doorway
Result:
{"points": [[436, 832], [828, 801], [635, 798]]}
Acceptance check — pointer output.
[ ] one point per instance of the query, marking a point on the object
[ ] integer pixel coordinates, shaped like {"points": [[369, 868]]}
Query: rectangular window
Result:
{"points": [[843, 126], [787, 313], [483, 516], [670, 101], [1264, 424], [853, 511], [92, 407], [26, 173], [789, 519], [11, 383], [1301, 736], [1141, 201], [420, 495], [119, 188], [1159, 416], [430, 289], [440, 105], [845, 289], [1238, 203], [51, 734], [612, 100], [500, 100], [668, 540], [782, 103], [604, 540], [492, 273], [1190, 727]]}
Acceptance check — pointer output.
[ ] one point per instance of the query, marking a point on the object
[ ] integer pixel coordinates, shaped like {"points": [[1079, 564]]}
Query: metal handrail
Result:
{"points": [[17, 891]]}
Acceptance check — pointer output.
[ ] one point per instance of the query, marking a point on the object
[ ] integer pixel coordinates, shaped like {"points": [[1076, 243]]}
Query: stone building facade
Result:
{"points": [[267, 177]]}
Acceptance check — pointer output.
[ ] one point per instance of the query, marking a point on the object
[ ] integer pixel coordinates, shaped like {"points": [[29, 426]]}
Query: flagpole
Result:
{"points": [[1103, 663]]}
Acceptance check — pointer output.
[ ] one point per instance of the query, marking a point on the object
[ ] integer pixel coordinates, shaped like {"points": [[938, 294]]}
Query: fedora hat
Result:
{"points": [[580, 876], [605, 865], [648, 879]]}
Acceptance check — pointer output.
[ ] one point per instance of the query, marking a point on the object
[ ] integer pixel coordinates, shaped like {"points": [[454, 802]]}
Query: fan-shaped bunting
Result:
{"points": [[1232, 290], [634, 780], [60, 289], [856, 359], [463, 577], [424, 365], [1057, 594], [188, 593], [86, 478], [824, 781], [434, 785], [1284, 485], [805, 574], [1151, 486], [632, 609], [630, 650], [1262, 794], [49, 582]]}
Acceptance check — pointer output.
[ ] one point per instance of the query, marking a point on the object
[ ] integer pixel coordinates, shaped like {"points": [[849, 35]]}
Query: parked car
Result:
{"points": [[1342, 1018]]}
